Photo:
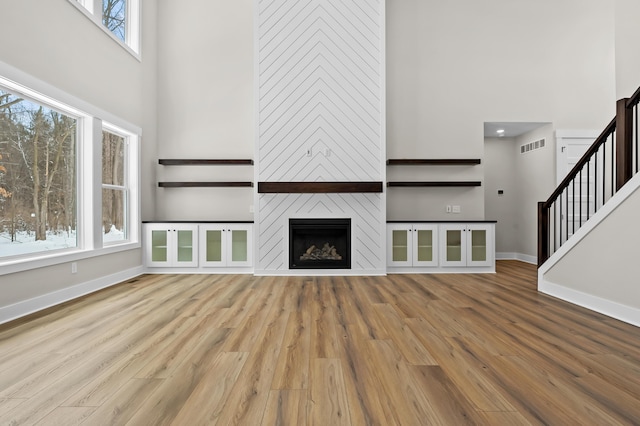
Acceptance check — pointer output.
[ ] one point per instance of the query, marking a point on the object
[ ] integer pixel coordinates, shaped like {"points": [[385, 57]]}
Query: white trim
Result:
{"points": [[517, 256], [132, 46], [321, 273], [443, 270], [606, 307], [26, 307], [56, 258], [200, 270], [89, 189], [19, 80]]}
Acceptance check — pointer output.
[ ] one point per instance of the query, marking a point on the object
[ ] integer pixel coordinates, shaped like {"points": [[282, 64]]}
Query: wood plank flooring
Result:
{"points": [[396, 350]]}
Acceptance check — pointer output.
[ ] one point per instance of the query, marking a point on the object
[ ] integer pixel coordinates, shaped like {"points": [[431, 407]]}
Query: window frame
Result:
{"points": [[125, 187], [89, 126], [92, 9]]}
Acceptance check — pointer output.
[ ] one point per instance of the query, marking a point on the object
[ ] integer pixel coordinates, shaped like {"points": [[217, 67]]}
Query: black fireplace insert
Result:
{"points": [[319, 243]]}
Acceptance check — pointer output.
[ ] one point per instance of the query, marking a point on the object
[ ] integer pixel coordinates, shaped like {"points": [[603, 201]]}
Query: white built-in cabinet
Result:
{"points": [[204, 247], [412, 245], [441, 247], [170, 245], [225, 245], [467, 245]]}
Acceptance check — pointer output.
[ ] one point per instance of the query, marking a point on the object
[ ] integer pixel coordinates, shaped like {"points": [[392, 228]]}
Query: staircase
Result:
{"points": [[604, 169]]}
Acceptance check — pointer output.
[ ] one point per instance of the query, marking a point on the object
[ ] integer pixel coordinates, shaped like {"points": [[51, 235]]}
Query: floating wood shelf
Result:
{"points": [[434, 184], [434, 162], [204, 184], [318, 187], [204, 162]]}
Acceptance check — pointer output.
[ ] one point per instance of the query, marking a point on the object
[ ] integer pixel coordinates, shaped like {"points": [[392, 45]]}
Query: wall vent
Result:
{"points": [[532, 146]]}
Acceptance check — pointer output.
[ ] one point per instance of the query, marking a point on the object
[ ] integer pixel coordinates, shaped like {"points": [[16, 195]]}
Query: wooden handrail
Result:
{"points": [[634, 99], [611, 127], [620, 131]]}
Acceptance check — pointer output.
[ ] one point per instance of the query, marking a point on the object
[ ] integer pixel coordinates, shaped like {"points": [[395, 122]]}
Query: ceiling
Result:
{"points": [[511, 129]]}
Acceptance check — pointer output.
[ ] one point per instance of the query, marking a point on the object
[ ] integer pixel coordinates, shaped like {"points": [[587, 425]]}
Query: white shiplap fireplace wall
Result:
{"points": [[320, 118]]}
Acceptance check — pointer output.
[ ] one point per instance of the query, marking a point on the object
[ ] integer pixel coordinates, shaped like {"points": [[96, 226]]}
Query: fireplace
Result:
{"points": [[319, 243]]}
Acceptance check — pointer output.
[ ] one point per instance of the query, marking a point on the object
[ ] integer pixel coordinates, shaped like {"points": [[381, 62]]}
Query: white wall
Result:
{"points": [[627, 52], [501, 173], [453, 65], [205, 106], [526, 178], [536, 179], [601, 270], [54, 43]]}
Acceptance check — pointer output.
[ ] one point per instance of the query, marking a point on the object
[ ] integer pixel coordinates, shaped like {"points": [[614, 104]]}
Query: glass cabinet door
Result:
{"points": [[425, 250], [213, 245], [159, 242], [481, 245], [478, 245], [400, 245], [454, 245], [453, 249], [239, 245], [184, 246]]}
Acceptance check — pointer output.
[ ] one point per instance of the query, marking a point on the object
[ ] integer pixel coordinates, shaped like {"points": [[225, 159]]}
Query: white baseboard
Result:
{"points": [[320, 273], [606, 307], [517, 256], [26, 307]]}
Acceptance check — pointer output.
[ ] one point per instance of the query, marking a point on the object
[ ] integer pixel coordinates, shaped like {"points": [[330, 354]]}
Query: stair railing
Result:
{"points": [[607, 165]]}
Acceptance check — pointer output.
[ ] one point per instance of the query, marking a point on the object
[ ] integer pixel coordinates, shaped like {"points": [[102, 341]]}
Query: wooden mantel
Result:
{"points": [[318, 187]]}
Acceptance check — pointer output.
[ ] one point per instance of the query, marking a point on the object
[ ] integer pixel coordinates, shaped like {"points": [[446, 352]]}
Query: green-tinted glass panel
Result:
{"points": [[214, 246], [185, 246], [479, 245], [239, 246], [454, 245], [159, 246], [425, 248], [400, 246]]}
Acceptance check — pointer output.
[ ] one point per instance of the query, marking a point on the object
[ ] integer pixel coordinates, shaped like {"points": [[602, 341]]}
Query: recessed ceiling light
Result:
{"points": [[500, 131]]}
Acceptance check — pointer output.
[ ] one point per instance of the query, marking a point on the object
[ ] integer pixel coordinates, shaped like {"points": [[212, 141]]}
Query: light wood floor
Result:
{"points": [[402, 349]]}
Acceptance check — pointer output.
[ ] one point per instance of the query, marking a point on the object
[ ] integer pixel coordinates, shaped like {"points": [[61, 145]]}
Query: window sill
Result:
{"points": [[104, 29], [25, 264]]}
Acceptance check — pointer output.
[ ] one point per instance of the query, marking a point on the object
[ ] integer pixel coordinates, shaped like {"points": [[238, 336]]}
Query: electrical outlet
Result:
{"points": [[456, 209], [448, 208], [309, 152], [74, 267]]}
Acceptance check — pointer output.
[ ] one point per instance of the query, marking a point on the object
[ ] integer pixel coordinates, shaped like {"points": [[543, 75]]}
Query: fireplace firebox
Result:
{"points": [[319, 243]]}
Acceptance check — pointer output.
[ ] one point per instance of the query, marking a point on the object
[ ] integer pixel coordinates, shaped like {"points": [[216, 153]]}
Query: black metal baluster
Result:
{"points": [[580, 201], [573, 207], [588, 187], [567, 215]]}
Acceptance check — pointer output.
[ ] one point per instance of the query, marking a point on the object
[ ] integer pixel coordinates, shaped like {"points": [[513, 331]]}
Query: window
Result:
{"points": [[38, 145], [114, 187], [68, 180], [114, 13], [120, 18]]}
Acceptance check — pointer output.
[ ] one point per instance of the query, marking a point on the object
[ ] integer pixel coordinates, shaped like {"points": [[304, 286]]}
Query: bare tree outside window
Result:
{"points": [[37, 177], [114, 190], [114, 16]]}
